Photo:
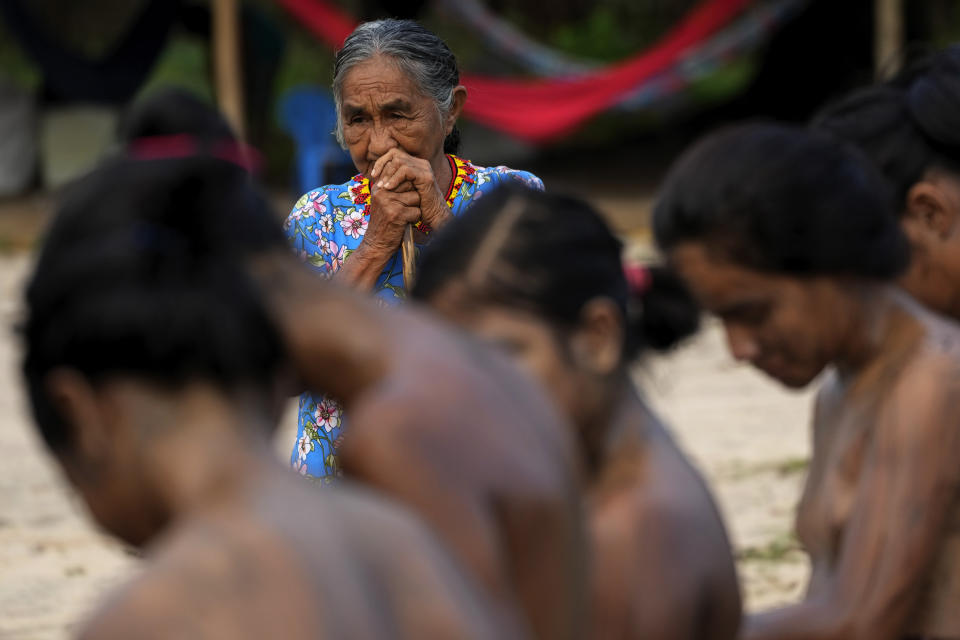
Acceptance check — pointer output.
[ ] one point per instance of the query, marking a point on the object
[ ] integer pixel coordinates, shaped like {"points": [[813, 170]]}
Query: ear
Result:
{"points": [[75, 399], [928, 210], [597, 342], [459, 99]]}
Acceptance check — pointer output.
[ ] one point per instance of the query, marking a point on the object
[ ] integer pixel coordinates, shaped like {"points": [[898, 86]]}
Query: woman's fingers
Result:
{"points": [[398, 170], [396, 166], [395, 207], [393, 155], [382, 160], [409, 198], [393, 218], [404, 187]]}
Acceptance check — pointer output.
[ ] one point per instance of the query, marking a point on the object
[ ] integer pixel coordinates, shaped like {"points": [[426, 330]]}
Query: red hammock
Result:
{"points": [[543, 110]]}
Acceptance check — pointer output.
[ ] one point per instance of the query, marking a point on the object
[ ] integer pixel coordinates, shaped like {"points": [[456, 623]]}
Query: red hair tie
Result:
{"points": [[638, 278], [183, 145]]}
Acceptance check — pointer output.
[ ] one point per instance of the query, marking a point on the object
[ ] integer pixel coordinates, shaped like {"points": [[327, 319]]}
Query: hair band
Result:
{"points": [[184, 145], [638, 278]]}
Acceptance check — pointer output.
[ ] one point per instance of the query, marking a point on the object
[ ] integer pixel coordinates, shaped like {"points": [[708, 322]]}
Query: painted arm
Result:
{"points": [[335, 339]]}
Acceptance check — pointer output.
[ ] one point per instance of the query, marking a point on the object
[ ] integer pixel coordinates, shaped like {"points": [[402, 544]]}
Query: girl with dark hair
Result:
{"points": [[541, 277], [796, 247], [151, 365], [397, 93], [910, 126]]}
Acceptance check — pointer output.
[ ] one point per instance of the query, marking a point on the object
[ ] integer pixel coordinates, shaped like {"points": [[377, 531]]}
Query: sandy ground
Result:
{"points": [[747, 435]]}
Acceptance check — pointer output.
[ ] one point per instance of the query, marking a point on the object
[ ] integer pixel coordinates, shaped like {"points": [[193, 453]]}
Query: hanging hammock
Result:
{"points": [[746, 34], [509, 43], [543, 109]]}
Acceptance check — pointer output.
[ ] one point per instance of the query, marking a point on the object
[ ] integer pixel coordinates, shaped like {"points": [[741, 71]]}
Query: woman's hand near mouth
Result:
{"points": [[396, 167]]}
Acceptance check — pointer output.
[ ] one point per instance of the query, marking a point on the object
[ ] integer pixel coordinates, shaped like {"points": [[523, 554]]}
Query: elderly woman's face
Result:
{"points": [[383, 108], [790, 328]]}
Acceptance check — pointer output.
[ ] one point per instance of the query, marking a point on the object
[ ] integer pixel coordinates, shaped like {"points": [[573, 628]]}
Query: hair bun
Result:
{"points": [[933, 99], [662, 312]]}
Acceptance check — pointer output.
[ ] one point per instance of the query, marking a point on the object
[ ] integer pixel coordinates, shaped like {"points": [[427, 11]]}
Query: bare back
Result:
{"points": [[284, 560], [479, 451], [663, 569], [472, 445]]}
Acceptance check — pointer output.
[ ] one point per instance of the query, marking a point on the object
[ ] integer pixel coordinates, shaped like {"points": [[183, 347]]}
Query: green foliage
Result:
{"points": [[792, 466], [14, 64], [783, 468], [183, 63], [601, 37], [776, 550], [941, 18], [724, 82], [605, 31], [306, 61]]}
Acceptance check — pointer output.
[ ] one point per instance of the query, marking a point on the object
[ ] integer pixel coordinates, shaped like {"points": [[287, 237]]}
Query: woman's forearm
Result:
{"points": [[362, 268]]}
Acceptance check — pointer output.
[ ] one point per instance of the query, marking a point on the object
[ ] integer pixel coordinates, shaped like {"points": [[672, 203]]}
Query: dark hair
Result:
{"points": [[551, 255], [141, 274], [782, 199], [419, 52], [171, 111], [906, 125]]}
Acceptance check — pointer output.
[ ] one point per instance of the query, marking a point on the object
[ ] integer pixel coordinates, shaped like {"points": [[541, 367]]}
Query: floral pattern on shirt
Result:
{"points": [[327, 225]]}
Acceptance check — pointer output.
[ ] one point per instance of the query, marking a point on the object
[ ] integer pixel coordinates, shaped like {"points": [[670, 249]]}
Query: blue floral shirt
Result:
{"points": [[324, 228]]}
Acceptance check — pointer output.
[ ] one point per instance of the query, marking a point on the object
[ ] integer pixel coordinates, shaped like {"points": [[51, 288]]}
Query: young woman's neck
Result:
{"points": [[213, 447], [879, 323], [614, 417]]}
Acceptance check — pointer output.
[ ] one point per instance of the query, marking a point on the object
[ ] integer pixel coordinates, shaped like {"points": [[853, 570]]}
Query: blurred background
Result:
{"points": [[595, 97], [662, 72]]}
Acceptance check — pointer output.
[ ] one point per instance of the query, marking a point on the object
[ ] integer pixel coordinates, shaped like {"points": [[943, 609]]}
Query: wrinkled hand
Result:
{"points": [[396, 167], [391, 210]]}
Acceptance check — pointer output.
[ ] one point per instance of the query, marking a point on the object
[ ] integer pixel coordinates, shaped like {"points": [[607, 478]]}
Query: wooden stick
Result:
{"points": [[888, 37], [226, 53], [408, 255]]}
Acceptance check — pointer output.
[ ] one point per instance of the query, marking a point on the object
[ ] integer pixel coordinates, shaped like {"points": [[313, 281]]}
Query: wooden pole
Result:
{"points": [[888, 37], [226, 54], [408, 257]]}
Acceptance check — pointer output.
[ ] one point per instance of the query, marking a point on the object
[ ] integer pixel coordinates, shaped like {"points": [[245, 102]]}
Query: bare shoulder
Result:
{"points": [[667, 539], [134, 609], [929, 383], [206, 581], [670, 511], [473, 405], [942, 335], [919, 414]]}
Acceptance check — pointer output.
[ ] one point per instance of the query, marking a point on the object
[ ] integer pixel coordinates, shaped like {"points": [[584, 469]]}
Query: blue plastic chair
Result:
{"points": [[308, 115]]}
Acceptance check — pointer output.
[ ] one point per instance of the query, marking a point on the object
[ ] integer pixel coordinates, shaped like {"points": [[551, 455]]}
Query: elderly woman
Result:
{"points": [[792, 240], [397, 93], [910, 126]]}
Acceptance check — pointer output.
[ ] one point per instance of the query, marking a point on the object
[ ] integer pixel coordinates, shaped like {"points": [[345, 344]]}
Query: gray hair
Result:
{"points": [[424, 57]]}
